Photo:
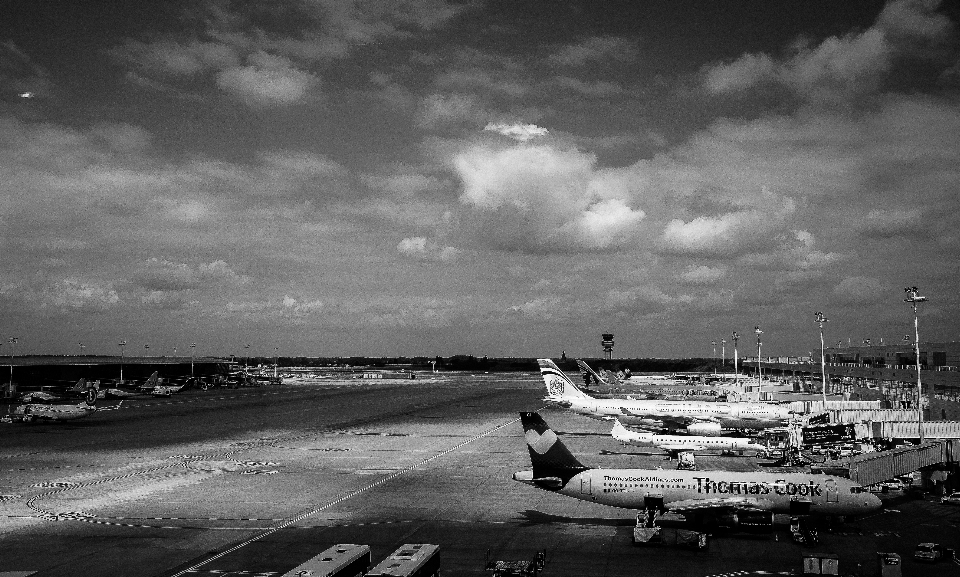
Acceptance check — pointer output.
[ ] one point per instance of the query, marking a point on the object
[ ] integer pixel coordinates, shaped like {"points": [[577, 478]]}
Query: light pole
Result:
{"points": [[12, 341], [246, 355], [759, 382], [723, 354], [823, 359], [736, 373], [913, 298], [192, 346], [714, 343], [121, 344]]}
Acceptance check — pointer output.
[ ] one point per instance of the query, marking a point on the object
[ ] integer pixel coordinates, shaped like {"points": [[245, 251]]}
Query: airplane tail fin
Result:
{"points": [[587, 370], [91, 397], [79, 386], [558, 384], [549, 456]]}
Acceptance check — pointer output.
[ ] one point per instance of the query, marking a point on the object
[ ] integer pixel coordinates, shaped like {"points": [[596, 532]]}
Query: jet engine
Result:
{"points": [[704, 429]]}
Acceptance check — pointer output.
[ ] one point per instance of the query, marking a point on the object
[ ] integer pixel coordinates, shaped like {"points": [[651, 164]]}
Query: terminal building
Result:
{"points": [[879, 372]]}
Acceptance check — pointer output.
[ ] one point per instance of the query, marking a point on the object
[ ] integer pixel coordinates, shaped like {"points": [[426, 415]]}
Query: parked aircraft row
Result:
{"points": [[45, 406], [706, 418], [704, 495]]}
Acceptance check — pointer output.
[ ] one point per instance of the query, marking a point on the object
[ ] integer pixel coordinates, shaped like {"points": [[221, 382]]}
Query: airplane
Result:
{"points": [[114, 393], [708, 418], [703, 495], [675, 444], [79, 389], [30, 412]]}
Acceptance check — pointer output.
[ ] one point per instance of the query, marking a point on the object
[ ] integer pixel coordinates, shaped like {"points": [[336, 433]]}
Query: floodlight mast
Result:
{"points": [[736, 373], [759, 376], [723, 355], [913, 298], [121, 344], [823, 359], [714, 343]]}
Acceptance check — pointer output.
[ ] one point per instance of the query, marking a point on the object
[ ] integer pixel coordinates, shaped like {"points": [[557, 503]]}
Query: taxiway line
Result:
{"points": [[341, 499]]}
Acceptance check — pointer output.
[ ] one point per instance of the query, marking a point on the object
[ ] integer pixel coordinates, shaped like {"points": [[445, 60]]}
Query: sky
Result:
{"points": [[480, 177]]}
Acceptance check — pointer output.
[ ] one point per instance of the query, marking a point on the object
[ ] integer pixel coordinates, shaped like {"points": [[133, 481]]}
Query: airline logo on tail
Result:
{"points": [[540, 443], [558, 385]]}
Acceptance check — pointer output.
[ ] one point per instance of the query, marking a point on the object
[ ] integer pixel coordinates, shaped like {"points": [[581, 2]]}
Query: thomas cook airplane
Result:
{"points": [[675, 444], [698, 493], [694, 417]]}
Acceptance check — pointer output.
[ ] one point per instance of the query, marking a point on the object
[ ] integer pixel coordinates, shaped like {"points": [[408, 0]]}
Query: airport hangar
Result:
{"points": [[29, 373]]}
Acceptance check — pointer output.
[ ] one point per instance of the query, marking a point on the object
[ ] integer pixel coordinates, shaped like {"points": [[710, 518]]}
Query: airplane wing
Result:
{"points": [[720, 503]]}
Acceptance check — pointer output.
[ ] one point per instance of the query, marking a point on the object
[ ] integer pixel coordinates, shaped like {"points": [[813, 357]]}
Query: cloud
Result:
{"points": [[731, 233], [266, 81], [542, 198], [890, 223], [861, 290], [518, 132], [702, 275], [841, 67], [163, 275], [594, 49], [420, 248]]}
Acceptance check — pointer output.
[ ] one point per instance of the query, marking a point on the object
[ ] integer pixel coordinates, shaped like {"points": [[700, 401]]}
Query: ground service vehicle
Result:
{"points": [[648, 531], [932, 552], [516, 568], [889, 564], [410, 560], [338, 561], [951, 499]]}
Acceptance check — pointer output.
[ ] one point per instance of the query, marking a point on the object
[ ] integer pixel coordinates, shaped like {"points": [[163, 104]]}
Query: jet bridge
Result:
{"points": [[872, 468]]}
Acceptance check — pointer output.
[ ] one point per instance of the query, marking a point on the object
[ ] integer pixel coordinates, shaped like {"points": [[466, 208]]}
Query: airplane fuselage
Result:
{"points": [[686, 442], [34, 411], [645, 412], [797, 493]]}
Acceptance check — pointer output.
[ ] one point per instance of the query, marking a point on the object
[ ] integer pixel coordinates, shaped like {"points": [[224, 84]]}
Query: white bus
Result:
{"points": [[410, 560], [337, 561]]}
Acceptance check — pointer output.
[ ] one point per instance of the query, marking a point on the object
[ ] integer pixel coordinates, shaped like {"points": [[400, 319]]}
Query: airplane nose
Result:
{"points": [[872, 502]]}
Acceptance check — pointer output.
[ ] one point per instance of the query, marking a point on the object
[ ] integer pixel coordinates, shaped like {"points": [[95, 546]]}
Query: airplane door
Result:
{"points": [[833, 494], [585, 486]]}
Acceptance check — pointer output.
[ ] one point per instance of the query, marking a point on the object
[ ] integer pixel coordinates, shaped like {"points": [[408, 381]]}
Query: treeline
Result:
{"points": [[490, 364]]}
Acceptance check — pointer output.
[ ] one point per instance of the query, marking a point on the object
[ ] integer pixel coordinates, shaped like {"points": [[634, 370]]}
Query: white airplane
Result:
{"points": [[708, 418], [675, 444], [701, 494], [30, 412]]}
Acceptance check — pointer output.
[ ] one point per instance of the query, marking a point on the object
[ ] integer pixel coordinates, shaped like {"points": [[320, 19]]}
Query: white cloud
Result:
{"points": [[731, 233], [518, 132], [420, 248], [840, 67], [266, 80], [541, 198]]}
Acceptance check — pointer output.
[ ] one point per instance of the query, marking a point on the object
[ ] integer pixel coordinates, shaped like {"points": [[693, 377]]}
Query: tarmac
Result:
{"points": [[255, 481]]}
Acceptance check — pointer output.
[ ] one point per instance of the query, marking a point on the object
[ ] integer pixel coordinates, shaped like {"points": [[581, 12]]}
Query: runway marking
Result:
{"points": [[341, 499]]}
